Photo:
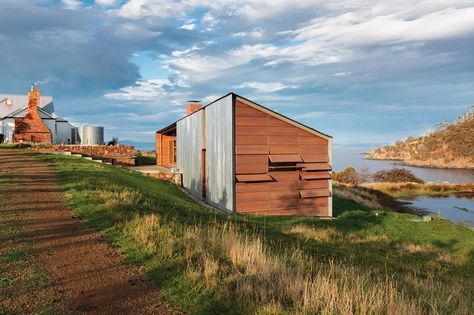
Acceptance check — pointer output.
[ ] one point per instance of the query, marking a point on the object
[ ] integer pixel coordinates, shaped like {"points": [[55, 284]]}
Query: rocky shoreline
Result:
{"points": [[443, 164]]}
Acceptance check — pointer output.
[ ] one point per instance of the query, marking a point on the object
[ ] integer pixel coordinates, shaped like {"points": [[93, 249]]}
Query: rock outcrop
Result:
{"points": [[450, 146]]}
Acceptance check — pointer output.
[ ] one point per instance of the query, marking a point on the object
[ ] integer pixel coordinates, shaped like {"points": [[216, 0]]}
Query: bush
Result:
{"points": [[347, 176], [396, 175]]}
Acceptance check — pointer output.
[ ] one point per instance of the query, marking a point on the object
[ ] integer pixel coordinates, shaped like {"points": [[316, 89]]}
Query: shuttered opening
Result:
{"points": [[290, 158], [254, 178], [315, 175], [311, 171], [314, 193], [314, 166]]}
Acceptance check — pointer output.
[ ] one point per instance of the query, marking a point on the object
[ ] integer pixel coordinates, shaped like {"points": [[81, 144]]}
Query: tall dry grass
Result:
{"points": [[240, 266], [369, 197], [397, 189]]}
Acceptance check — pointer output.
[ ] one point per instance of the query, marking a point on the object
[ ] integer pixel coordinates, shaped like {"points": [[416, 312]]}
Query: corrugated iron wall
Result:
{"points": [[219, 153], [189, 145]]}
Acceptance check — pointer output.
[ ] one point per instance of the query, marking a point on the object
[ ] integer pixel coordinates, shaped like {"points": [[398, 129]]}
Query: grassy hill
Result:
{"points": [[364, 261], [451, 146]]}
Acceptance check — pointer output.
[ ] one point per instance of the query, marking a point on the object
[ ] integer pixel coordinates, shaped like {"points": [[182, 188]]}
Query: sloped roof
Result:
{"points": [[22, 112], [21, 101], [261, 108]]}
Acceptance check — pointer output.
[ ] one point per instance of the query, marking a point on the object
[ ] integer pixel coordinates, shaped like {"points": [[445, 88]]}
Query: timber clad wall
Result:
{"points": [[165, 150], [274, 163]]}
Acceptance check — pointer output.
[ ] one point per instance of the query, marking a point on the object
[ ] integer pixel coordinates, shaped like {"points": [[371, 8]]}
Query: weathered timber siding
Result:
{"points": [[259, 135], [164, 150], [219, 146], [189, 145]]}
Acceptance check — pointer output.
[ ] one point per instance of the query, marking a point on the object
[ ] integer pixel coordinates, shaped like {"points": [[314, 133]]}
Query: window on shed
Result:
{"points": [[284, 162]]}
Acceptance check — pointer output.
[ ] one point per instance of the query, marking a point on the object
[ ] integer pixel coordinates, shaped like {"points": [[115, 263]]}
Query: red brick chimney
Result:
{"points": [[31, 128], [193, 106]]}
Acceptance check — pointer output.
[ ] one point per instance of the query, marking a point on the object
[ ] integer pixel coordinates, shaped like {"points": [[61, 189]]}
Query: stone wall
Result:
{"points": [[120, 154]]}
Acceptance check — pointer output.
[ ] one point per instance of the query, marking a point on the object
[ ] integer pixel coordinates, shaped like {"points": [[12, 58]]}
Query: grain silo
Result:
{"points": [[91, 135]]}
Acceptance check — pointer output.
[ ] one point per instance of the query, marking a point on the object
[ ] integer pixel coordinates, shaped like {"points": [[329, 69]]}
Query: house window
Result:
{"points": [[56, 129], [173, 152]]}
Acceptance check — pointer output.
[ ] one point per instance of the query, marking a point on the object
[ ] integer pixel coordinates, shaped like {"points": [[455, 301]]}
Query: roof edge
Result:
{"points": [[260, 107]]}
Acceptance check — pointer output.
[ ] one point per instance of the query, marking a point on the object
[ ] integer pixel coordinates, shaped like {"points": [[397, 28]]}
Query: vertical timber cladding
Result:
{"points": [[189, 145], [219, 153], [281, 169], [165, 150]]}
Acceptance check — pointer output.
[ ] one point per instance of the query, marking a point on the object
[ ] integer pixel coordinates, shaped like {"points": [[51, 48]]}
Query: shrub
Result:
{"points": [[347, 176], [396, 175]]}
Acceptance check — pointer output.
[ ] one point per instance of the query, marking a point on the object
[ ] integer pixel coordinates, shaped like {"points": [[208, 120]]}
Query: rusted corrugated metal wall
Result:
{"points": [[189, 145], [219, 153]]}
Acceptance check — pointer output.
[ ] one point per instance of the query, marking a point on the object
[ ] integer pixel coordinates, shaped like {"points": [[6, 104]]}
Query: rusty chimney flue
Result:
{"points": [[193, 106]]}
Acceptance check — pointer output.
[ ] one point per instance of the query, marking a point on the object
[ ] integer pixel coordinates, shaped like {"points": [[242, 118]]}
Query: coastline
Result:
{"points": [[397, 190], [421, 163]]}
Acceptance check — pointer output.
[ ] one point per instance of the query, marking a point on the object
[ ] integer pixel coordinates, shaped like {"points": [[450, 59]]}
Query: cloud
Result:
{"points": [[106, 2], [142, 90], [189, 27], [266, 86], [342, 74], [355, 29], [257, 33], [344, 60], [71, 4]]}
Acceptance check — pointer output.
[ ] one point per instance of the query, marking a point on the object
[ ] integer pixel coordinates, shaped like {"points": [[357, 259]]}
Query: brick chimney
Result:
{"points": [[33, 100], [32, 127], [193, 106]]}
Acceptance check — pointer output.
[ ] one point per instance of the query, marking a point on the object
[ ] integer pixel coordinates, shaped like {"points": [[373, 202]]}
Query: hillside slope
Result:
{"points": [[206, 262], [451, 146]]}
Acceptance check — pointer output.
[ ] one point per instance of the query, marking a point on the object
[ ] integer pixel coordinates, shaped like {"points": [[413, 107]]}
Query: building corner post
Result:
{"points": [[330, 212]]}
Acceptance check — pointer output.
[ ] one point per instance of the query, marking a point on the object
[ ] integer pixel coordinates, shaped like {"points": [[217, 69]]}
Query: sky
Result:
{"points": [[366, 72]]}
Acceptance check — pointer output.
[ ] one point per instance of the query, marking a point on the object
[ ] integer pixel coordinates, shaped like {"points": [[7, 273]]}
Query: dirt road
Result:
{"points": [[82, 273]]}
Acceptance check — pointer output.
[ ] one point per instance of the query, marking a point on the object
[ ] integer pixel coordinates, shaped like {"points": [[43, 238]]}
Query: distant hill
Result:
{"points": [[450, 146]]}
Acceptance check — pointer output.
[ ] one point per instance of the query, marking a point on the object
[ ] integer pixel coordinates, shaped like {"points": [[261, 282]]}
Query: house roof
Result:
{"points": [[21, 101], [261, 108], [17, 113]]}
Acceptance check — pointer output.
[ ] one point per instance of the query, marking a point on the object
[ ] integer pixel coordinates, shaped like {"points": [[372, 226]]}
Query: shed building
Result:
{"points": [[32, 117], [242, 157]]}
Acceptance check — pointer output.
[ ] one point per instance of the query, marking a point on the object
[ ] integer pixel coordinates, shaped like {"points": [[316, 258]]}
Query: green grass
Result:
{"points": [[207, 262], [14, 145], [13, 254]]}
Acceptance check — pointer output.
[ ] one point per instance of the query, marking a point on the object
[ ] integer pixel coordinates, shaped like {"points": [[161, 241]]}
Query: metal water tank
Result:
{"points": [[90, 135]]}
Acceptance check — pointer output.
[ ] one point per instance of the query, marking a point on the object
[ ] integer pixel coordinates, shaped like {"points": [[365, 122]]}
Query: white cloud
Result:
{"points": [[71, 4], [360, 28], [180, 53], [342, 74], [105, 2], [266, 86], [189, 27], [256, 33], [209, 21], [143, 90]]}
